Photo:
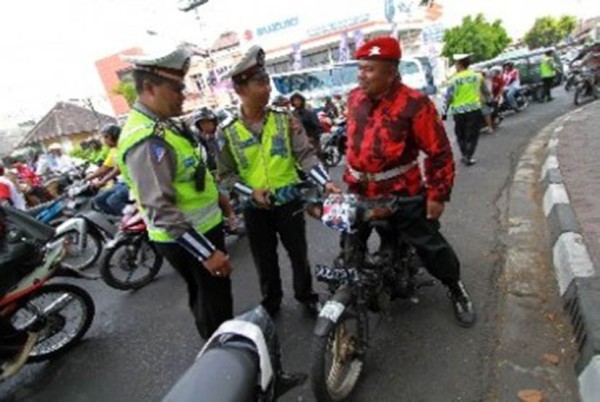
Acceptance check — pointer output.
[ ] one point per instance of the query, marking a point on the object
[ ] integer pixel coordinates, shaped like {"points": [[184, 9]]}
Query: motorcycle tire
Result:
{"points": [[129, 264], [522, 101], [92, 251], [54, 323], [333, 378]]}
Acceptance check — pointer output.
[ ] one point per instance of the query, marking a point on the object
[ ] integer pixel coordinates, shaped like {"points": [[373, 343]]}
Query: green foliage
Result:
{"points": [[127, 90], [477, 36], [548, 31]]}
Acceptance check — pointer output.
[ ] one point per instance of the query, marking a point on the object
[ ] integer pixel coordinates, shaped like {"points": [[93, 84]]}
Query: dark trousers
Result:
{"points": [[210, 297], [467, 127], [113, 201], [411, 224], [263, 226], [548, 81]]}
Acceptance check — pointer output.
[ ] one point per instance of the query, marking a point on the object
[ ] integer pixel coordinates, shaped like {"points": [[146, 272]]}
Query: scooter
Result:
{"points": [[241, 362], [333, 144], [59, 314]]}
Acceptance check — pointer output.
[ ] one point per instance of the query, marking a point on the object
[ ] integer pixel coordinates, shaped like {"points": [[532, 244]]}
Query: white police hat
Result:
{"points": [[171, 63], [251, 65]]}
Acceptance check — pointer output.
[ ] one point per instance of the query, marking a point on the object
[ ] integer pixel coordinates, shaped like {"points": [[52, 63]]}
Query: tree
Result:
{"points": [[127, 90], [477, 36], [548, 31]]}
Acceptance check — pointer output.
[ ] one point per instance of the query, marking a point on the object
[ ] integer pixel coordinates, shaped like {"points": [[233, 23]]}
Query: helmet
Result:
{"points": [[204, 114], [280, 100], [111, 130]]}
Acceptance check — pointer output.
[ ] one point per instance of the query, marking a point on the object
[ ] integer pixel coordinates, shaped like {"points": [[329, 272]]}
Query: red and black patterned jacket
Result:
{"points": [[389, 133]]}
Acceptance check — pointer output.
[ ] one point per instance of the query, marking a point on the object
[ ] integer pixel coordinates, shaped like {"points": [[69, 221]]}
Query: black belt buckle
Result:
{"points": [[200, 177]]}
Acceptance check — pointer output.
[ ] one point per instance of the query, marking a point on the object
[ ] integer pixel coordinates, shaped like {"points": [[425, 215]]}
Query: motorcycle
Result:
{"points": [[131, 261], [573, 77], [58, 313], [586, 87], [333, 144], [357, 288], [76, 198], [241, 362], [522, 98]]}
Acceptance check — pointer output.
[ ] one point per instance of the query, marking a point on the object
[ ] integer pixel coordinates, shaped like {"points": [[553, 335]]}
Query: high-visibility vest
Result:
{"points": [[467, 92]]}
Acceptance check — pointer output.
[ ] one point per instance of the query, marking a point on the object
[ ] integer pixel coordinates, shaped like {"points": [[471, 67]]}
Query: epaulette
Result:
{"points": [[227, 122], [278, 109]]}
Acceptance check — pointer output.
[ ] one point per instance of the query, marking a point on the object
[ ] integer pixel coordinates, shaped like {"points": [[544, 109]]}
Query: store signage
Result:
{"points": [[339, 25], [277, 26]]}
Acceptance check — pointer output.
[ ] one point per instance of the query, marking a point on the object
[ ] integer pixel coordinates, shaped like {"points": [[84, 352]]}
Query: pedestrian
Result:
{"points": [[161, 163], [463, 101], [486, 103], [389, 125], [548, 73], [308, 118], [261, 149]]}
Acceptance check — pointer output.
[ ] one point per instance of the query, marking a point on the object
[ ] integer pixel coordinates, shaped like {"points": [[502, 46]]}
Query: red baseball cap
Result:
{"points": [[381, 48]]}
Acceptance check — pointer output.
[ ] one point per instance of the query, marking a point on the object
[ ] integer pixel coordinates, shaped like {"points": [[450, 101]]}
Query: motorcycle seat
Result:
{"points": [[221, 374]]}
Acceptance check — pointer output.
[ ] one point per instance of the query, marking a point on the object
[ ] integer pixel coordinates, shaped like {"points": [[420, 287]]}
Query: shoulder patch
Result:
{"points": [[158, 151]]}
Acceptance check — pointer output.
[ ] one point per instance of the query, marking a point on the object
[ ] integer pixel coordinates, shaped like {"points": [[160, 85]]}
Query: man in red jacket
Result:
{"points": [[388, 125]]}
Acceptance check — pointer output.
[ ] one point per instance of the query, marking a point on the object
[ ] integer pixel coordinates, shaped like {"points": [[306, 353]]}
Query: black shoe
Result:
{"points": [[464, 160], [462, 304], [470, 161]]}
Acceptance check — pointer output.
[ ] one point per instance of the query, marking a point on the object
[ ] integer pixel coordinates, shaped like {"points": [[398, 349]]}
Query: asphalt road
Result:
{"points": [[141, 342]]}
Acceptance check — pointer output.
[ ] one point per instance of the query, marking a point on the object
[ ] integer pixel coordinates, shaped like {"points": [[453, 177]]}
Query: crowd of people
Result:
{"points": [[182, 175]]}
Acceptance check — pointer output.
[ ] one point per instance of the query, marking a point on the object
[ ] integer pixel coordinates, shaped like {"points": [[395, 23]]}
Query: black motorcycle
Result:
{"points": [[358, 288], [241, 362], [586, 87], [333, 144], [522, 98]]}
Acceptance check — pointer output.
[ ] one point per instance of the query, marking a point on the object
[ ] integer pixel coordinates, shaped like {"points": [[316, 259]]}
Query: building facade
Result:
{"points": [[112, 71]]}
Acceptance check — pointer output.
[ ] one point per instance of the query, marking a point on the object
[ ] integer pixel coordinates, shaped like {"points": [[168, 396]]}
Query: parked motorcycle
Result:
{"points": [[333, 144], [241, 362], [573, 77], [131, 260], [59, 313], [586, 87], [358, 288], [77, 197]]}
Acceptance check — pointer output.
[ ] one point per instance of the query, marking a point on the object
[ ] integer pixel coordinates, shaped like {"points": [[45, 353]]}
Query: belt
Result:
{"points": [[381, 176]]}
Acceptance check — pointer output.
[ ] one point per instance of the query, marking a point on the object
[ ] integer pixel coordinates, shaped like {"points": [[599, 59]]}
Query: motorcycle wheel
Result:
{"points": [[336, 360], [522, 101], [331, 155], [46, 312], [80, 259], [122, 262]]}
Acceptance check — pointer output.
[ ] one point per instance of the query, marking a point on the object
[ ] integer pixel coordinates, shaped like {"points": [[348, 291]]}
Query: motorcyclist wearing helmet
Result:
{"points": [[206, 122], [110, 201]]}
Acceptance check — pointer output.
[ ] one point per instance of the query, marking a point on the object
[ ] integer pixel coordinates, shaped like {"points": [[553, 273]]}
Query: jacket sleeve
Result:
{"points": [[432, 139], [152, 167]]}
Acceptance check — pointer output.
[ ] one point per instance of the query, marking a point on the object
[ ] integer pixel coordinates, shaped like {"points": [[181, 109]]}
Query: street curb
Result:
{"points": [[576, 274]]}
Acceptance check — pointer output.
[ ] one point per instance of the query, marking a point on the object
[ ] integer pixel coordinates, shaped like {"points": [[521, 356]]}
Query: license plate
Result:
{"points": [[338, 275]]}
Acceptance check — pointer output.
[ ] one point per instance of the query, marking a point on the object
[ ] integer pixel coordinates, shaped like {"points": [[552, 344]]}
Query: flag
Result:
{"points": [[297, 54], [344, 50]]}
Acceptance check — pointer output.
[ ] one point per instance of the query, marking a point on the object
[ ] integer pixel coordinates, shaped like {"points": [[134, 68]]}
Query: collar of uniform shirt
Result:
{"points": [[255, 128], [140, 107]]}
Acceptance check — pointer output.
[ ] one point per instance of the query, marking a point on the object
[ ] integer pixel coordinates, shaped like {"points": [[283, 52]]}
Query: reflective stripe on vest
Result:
{"points": [[467, 92], [268, 162], [200, 208]]}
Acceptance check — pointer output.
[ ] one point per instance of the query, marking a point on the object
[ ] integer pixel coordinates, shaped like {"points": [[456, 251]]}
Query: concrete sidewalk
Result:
{"points": [[571, 203]]}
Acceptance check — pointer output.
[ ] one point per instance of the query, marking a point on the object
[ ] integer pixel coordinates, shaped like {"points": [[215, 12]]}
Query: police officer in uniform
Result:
{"points": [[161, 163], [463, 101], [259, 152]]}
